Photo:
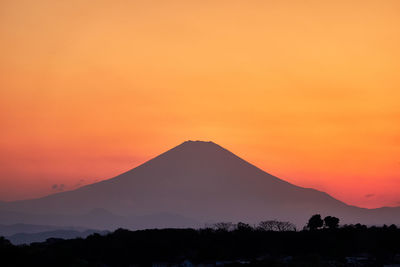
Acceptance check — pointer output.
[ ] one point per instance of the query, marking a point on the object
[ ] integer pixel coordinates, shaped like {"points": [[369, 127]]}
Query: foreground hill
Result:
{"points": [[189, 185]]}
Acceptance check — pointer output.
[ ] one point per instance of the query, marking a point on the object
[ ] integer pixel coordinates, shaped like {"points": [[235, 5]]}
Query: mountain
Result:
{"points": [[8, 230], [28, 238], [192, 184]]}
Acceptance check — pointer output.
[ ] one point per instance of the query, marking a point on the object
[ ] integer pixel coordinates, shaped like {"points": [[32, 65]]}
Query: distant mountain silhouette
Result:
{"points": [[12, 229], [192, 184], [28, 238]]}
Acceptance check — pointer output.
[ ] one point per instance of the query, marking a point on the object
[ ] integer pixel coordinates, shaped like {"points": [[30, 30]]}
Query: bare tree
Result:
{"points": [[266, 226], [286, 226], [274, 225]]}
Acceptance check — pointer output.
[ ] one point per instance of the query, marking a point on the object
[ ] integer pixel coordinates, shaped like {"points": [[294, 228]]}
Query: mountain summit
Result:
{"points": [[193, 183]]}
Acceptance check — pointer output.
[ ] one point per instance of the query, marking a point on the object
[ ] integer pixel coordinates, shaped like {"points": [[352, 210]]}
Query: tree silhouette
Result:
{"points": [[4, 242], [315, 222], [274, 225], [331, 222], [243, 227], [266, 226], [223, 226]]}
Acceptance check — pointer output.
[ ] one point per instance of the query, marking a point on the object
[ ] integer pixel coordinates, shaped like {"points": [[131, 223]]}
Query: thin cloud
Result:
{"points": [[369, 195]]}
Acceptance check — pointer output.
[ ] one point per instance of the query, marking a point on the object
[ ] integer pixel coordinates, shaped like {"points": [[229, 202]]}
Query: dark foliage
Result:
{"points": [[4, 243], [315, 222], [331, 222]]}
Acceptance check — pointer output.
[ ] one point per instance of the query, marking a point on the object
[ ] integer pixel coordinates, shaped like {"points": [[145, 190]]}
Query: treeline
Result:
{"points": [[270, 243], [316, 222], [271, 225]]}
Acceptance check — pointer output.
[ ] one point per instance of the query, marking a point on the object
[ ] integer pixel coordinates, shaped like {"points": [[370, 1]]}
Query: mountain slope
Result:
{"points": [[200, 181], [28, 238]]}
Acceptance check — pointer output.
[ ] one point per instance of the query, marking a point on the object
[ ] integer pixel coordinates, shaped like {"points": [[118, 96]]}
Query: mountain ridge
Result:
{"points": [[200, 181]]}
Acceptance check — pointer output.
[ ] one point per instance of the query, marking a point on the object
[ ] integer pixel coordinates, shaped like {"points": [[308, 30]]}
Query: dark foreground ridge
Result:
{"points": [[354, 245]]}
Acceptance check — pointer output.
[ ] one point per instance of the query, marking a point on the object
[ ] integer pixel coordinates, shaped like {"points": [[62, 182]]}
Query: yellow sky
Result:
{"points": [[306, 90]]}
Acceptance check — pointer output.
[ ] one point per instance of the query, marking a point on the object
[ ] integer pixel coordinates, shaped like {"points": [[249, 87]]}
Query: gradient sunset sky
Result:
{"points": [[307, 90]]}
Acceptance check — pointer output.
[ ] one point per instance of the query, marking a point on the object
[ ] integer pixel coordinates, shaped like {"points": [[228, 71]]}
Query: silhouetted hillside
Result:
{"points": [[354, 245]]}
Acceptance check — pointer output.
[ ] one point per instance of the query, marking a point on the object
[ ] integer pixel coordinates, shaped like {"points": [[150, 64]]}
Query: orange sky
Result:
{"points": [[306, 90]]}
